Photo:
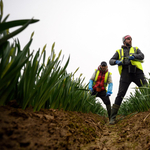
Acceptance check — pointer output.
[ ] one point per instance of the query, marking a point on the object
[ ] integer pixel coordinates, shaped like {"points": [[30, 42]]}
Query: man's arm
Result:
{"points": [[93, 76], [139, 55], [110, 86], [110, 79], [113, 59], [91, 82]]}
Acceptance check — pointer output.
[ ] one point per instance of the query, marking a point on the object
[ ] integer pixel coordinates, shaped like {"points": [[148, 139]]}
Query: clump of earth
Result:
{"points": [[66, 130]]}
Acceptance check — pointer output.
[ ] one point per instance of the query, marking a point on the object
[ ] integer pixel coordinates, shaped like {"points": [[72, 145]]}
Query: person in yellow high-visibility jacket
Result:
{"points": [[129, 60], [98, 85]]}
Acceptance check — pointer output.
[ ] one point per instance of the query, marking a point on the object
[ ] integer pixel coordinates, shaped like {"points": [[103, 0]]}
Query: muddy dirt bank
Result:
{"points": [[65, 130]]}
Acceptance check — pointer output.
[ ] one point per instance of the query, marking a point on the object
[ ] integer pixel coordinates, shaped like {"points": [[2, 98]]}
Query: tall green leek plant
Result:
{"points": [[38, 81], [11, 58]]}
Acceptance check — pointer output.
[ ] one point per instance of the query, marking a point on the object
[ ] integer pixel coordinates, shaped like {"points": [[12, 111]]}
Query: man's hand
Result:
{"points": [[108, 93], [131, 57], [91, 89], [118, 62]]}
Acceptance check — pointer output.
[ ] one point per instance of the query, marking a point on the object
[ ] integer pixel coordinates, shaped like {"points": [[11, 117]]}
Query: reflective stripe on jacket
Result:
{"points": [[132, 51], [105, 79]]}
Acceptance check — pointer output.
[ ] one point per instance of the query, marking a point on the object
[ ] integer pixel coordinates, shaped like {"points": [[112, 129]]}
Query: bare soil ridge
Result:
{"points": [[66, 130]]}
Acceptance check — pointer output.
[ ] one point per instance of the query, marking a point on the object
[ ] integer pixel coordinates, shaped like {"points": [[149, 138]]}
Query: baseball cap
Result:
{"points": [[103, 63], [125, 37]]}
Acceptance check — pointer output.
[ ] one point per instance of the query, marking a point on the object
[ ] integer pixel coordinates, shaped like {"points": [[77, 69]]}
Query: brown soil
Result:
{"points": [[66, 130]]}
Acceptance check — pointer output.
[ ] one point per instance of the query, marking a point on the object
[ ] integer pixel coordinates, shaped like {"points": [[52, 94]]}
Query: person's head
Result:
{"points": [[103, 66], [127, 40]]}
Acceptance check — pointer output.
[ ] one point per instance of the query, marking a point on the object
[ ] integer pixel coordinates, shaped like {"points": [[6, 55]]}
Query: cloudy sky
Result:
{"points": [[90, 31]]}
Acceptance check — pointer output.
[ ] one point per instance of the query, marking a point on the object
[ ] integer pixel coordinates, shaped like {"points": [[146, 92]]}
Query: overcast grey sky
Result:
{"points": [[90, 31]]}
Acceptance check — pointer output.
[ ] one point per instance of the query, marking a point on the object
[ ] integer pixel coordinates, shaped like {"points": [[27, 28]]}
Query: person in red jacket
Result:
{"points": [[98, 83]]}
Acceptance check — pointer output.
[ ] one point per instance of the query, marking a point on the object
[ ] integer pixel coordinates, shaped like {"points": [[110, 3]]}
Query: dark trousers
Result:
{"points": [[103, 96], [125, 80]]}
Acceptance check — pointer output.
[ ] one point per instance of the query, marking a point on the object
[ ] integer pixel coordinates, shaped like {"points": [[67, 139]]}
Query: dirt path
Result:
{"points": [[64, 130], [130, 133]]}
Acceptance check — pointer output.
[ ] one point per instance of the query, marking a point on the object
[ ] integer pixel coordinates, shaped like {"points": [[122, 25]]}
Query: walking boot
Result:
{"points": [[108, 110], [113, 115]]}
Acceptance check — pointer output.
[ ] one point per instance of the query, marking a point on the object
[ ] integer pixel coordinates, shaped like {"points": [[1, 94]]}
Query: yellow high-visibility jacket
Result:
{"points": [[132, 51]]}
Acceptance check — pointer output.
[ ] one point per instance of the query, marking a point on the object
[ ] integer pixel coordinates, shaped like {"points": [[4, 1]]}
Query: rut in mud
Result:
{"points": [[61, 130]]}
